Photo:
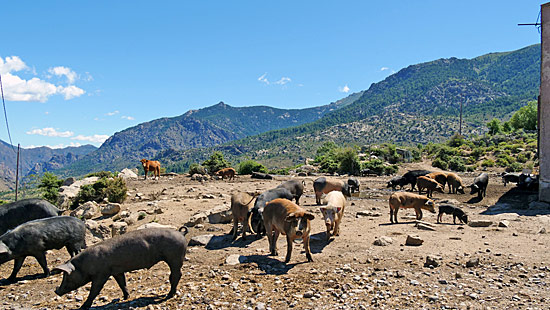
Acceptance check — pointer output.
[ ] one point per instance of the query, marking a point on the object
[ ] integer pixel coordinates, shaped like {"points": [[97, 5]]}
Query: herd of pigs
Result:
{"points": [[31, 227]]}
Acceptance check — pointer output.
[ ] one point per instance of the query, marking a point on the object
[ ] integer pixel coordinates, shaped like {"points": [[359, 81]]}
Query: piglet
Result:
{"points": [[113, 257], [333, 212], [34, 238]]}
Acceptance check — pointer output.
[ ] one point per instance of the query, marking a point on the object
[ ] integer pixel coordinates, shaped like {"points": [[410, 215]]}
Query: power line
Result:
{"points": [[6, 113]]}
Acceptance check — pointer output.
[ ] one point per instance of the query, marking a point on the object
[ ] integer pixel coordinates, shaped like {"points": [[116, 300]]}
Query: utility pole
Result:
{"points": [[17, 172], [460, 126]]}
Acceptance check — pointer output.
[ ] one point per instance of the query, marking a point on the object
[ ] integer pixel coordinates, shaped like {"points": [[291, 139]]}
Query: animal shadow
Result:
{"points": [[6, 282], [400, 223], [141, 302], [270, 265], [225, 241], [475, 199], [318, 241]]}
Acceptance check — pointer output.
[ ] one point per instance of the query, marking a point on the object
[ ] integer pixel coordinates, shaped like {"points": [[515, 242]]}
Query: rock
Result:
{"points": [[235, 259], [383, 241], [155, 225], [308, 294], [504, 223], [86, 211], [198, 218], [110, 209], [414, 240], [132, 219], [118, 228], [127, 174], [424, 227], [259, 306], [431, 261], [472, 262], [68, 193], [98, 230], [201, 240], [122, 215], [68, 181], [542, 230], [208, 196], [480, 223], [368, 213], [220, 215]]}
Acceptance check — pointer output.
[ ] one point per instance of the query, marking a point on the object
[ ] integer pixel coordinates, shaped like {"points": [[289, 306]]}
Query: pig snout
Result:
{"points": [[299, 233]]}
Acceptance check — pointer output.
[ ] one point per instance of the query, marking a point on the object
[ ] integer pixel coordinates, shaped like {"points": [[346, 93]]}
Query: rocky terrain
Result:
{"points": [[501, 266]]}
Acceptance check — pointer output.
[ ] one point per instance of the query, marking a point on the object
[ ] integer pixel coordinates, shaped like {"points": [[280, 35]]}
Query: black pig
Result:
{"points": [[34, 238], [113, 257], [296, 187], [480, 185], [257, 219], [19, 212]]}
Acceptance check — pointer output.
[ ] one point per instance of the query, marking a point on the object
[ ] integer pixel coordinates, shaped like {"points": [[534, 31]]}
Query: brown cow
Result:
{"points": [[333, 212], [241, 203], [229, 172], [440, 177], [455, 183], [409, 200], [151, 165], [429, 184], [285, 217]]}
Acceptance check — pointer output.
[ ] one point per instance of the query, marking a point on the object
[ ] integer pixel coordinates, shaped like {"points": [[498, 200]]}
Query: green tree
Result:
{"points": [[216, 162], [494, 127], [348, 161], [249, 166], [49, 186], [526, 117]]}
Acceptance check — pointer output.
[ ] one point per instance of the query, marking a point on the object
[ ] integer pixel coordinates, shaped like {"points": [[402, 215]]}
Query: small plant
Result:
{"points": [[141, 216], [488, 163], [49, 186]]}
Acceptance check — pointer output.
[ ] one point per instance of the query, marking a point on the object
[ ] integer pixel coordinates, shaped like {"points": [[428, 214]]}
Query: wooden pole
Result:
{"points": [[17, 172]]}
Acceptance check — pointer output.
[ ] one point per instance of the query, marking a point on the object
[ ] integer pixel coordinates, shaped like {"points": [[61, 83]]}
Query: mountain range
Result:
{"points": [[418, 104]]}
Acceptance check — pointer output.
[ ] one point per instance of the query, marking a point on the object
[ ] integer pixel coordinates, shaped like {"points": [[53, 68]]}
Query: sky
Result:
{"points": [[76, 72]]}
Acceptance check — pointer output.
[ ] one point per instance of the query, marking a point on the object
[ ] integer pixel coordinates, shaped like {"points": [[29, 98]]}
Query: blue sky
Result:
{"points": [[76, 72]]}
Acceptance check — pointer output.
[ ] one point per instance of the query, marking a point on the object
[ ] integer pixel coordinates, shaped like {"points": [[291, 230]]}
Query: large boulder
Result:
{"points": [[414, 240], [220, 215], [86, 210], [128, 174], [118, 228], [67, 193], [110, 209], [98, 230]]}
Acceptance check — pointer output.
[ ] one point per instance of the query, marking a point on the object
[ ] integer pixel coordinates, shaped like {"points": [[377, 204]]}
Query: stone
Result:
{"points": [[86, 210], [68, 181], [431, 261], [414, 240], [220, 215], [198, 218], [308, 294], [118, 228], [504, 223], [542, 230], [132, 219], [235, 259], [127, 174], [424, 227], [201, 240], [155, 225], [110, 209], [98, 230], [368, 213], [472, 262], [480, 223], [383, 241]]}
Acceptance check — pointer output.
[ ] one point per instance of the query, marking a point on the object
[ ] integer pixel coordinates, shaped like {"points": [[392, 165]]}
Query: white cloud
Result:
{"points": [[283, 80], [344, 89], [384, 68], [34, 89], [263, 79], [92, 138], [130, 118], [64, 71], [51, 132], [112, 113]]}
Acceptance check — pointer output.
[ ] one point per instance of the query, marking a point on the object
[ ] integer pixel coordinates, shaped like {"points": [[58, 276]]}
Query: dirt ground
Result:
{"points": [[349, 272]]}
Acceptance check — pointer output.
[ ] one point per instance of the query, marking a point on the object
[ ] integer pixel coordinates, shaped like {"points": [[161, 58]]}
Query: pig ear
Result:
{"points": [[323, 210], [68, 268], [290, 217], [309, 216], [4, 248]]}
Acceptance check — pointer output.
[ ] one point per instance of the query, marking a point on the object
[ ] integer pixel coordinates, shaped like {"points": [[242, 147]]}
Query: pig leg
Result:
{"points": [[41, 258], [274, 237], [235, 224], [175, 275], [318, 197], [337, 224], [121, 281], [306, 248], [418, 214], [391, 215], [288, 248], [395, 215], [17, 263], [97, 285]]}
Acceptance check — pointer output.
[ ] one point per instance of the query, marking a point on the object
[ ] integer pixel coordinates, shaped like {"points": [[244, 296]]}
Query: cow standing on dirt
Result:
{"points": [[151, 165]]}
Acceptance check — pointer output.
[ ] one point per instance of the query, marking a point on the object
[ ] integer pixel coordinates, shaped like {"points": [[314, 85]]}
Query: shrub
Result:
{"points": [[488, 163], [197, 169], [249, 166], [348, 162], [49, 186], [215, 162], [471, 168], [522, 158], [391, 169], [494, 126], [439, 163], [101, 174], [113, 189], [456, 140], [116, 190], [457, 164], [375, 165], [516, 167], [525, 117]]}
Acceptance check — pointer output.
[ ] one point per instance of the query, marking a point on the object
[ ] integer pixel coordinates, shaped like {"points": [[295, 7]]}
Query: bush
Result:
{"points": [[488, 163], [391, 169], [516, 167], [526, 117], [439, 163], [49, 186], [456, 140], [494, 127], [113, 189], [116, 190], [249, 166], [101, 174], [197, 169], [457, 164], [216, 162], [522, 158], [348, 162], [471, 168], [375, 165]]}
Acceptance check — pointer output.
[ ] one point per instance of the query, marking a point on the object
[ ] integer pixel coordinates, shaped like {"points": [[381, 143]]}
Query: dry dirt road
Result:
{"points": [[511, 264]]}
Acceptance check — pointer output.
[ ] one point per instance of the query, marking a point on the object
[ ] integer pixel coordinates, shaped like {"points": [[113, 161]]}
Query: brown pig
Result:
{"points": [[455, 183], [429, 184], [333, 212], [440, 177], [285, 217], [409, 200], [241, 204]]}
